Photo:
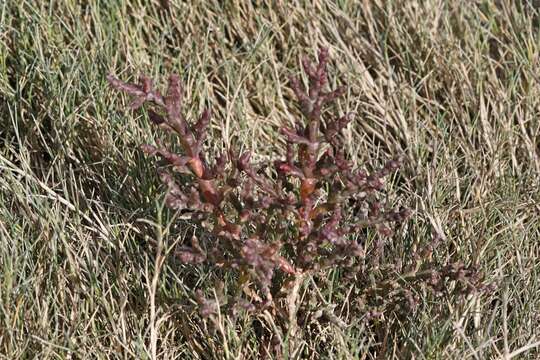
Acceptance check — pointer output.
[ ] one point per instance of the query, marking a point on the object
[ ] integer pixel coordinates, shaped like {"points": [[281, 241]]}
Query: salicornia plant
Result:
{"points": [[275, 224]]}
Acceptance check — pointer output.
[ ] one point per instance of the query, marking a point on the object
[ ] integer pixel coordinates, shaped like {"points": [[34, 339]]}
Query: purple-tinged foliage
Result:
{"points": [[294, 218]]}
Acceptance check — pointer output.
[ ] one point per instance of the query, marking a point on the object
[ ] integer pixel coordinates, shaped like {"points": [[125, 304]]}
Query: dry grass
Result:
{"points": [[451, 84]]}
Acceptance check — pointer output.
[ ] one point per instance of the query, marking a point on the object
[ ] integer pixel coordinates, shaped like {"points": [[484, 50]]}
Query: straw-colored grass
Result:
{"points": [[453, 85]]}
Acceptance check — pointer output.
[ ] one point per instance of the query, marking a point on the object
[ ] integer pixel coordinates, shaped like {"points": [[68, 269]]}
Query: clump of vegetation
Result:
{"points": [[274, 225]]}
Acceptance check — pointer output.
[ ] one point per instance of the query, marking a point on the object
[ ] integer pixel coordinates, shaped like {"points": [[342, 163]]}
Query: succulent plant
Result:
{"points": [[295, 217]]}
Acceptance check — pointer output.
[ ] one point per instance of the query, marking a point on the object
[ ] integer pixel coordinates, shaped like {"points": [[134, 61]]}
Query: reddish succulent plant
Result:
{"points": [[294, 217]]}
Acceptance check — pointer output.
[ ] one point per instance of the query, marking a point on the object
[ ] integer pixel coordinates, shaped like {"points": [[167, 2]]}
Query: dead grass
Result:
{"points": [[453, 85]]}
